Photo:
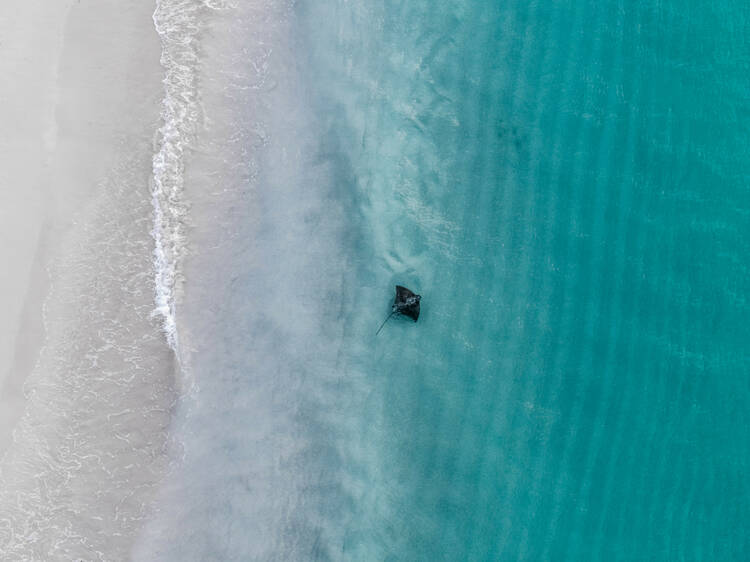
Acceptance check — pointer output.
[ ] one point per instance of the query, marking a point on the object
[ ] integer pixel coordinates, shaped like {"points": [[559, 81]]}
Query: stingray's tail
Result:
{"points": [[384, 321]]}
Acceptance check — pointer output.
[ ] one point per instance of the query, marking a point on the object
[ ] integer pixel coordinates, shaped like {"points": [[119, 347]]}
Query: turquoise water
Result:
{"points": [[566, 184]]}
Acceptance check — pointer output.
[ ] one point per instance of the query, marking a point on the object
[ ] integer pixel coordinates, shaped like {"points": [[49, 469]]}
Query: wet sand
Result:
{"points": [[32, 35], [86, 378], [80, 78]]}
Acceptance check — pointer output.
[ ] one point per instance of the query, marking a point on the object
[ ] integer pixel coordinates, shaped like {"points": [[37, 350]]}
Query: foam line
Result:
{"points": [[177, 23]]}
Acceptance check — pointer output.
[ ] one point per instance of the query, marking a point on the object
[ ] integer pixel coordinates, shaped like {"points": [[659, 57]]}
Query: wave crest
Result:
{"points": [[178, 24]]}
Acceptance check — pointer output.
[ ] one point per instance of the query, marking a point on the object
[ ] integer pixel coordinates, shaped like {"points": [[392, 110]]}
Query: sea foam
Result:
{"points": [[178, 23]]}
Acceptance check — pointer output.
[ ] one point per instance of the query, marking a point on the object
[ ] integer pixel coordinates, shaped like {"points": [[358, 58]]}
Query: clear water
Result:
{"points": [[565, 183]]}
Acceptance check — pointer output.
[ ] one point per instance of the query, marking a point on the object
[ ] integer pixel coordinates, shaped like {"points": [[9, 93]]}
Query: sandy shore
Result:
{"points": [[79, 77], [84, 370], [32, 36]]}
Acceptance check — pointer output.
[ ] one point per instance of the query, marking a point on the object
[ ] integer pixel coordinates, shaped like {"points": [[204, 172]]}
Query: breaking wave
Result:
{"points": [[178, 23]]}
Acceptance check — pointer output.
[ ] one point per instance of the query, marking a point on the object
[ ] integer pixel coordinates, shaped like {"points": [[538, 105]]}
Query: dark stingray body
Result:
{"points": [[406, 303]]}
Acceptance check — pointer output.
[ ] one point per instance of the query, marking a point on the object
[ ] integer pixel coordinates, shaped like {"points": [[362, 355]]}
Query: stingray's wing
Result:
{"points": [[412, 311], [402, 293]]}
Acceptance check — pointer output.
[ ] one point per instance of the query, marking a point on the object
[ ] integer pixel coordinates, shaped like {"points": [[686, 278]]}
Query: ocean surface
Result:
{"points": [[567, 185]]}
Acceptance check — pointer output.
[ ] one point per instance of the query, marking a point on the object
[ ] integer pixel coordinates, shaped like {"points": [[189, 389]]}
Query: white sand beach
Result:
{"points": [[85, 374], [79, 77], [29, 57]]}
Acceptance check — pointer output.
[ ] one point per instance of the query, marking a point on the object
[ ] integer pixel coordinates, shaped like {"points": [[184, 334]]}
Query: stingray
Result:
{"points": [[406, 304]]}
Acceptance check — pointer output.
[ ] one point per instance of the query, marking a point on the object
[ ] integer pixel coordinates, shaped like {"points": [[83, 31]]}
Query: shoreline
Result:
{"points": [[258, 327], [90, 395], [76, 138]]}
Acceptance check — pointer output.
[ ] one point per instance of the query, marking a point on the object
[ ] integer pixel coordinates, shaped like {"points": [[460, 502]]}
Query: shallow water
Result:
{"points": [[565, 184]]}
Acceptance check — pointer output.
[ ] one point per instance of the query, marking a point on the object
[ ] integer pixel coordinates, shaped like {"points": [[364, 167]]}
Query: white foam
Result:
{"points": [[178, 23], [91, 445], [260, 324]]}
